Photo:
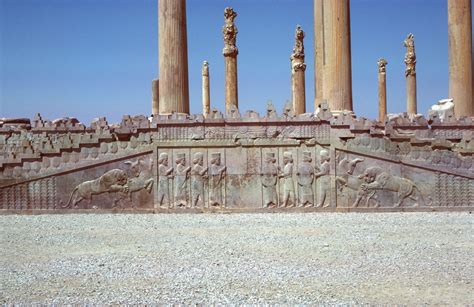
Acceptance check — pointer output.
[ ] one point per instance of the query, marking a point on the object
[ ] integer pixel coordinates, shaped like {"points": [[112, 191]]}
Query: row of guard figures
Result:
{"points": [[198, 175]]}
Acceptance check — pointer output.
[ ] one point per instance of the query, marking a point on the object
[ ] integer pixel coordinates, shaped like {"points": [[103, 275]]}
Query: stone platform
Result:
{"points": [[320, 161]]}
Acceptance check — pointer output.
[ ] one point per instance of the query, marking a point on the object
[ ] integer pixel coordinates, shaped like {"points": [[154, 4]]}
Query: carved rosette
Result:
{"points": [[382, 63], [410, 56], [230, 33], [297, 57]]}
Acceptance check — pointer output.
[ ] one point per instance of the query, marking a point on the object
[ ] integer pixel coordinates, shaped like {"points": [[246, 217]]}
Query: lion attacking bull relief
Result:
{"points": [[375, 178], [123, 183], [112, 181]]}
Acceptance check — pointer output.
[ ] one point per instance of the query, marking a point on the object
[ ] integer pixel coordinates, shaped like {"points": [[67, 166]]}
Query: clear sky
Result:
{"points": [[91, 58]]}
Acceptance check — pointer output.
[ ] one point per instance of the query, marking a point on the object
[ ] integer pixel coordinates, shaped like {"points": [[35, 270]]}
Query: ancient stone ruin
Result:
{"points": [[324, 160]]}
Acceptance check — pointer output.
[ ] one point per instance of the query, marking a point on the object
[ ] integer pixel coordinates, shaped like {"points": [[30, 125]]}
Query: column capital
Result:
{"points": [[382, 63], [205, 68], [298, 49], [230, 33], [410, 56]]}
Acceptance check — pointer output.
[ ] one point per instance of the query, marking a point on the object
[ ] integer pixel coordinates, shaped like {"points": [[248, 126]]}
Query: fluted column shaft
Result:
{"points": [[460, 56], [155, 96], [382, 81], [298, 68], [410, 73], [173, 57], [335, 53], [318, 52], [230, 52], [206, 95]]}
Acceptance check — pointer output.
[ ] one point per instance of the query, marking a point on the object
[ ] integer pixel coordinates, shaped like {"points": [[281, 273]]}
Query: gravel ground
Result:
{"points": [[376, 258]]}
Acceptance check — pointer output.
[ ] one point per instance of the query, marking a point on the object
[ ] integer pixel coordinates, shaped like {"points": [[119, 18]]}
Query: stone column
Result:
{"points": [[155, 96], [460, 56], [298, 67], [336, 74], [230, 52], [318, 52], [173, 57], [410, 73], [206, 95], [382, 63]]}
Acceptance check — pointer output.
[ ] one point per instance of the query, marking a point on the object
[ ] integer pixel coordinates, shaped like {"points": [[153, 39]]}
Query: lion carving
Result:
{"points": [[377, 179], [112, 181]]}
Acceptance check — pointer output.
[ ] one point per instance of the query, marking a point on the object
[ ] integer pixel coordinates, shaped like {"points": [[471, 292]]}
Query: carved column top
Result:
{"points": [[410, 56], [382, 63], [230, 33], [205, 68], [298, 50]]}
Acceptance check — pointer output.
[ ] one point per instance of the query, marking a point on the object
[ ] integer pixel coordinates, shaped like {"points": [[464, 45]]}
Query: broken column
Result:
{"points": [[298, 67], [230, 52], [155, 96], [460, 56], [173, 57], [382, 63], [410, 73], [206, 98], [333, 79]]}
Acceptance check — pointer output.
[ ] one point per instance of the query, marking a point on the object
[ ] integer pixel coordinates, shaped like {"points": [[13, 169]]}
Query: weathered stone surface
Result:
{"points": [[230, 53], [460, 56], [410, 73], [320, 161], [298, 67], [333, 65]]}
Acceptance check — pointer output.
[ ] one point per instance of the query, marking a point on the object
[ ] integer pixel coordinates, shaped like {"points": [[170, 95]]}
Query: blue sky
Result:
{"points": [[91, 58]]}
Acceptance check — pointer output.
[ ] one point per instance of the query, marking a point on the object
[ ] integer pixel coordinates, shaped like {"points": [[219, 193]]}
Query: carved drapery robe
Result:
{"points": [[305, 183], [163, 185], [181, 187], [197, 183], [269, 183], [215, 185]]}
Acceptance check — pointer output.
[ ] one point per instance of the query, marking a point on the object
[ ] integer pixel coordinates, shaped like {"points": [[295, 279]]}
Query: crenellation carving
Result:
{"points": [[271, 111]]}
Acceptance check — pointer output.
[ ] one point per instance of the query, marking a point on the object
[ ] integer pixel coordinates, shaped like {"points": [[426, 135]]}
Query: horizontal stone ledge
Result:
{"points": [[237, 210]]}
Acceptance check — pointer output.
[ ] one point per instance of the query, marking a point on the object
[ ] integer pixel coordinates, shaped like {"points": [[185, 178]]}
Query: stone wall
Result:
{"points": [[180, 163]]}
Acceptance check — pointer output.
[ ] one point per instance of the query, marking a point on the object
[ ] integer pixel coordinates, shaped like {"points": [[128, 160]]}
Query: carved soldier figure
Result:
{"points": [[198, 175], [181, 181], [164, 175], [288, 182], [323, 177], [269, 181], [305, 180], [217, 176]]}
